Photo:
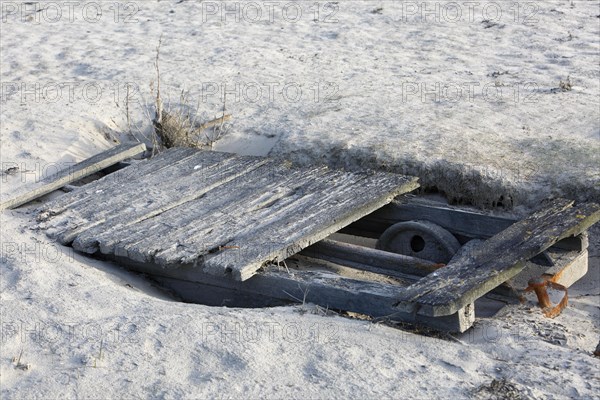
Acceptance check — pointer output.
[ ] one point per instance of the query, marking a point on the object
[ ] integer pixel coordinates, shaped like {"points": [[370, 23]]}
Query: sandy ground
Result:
{"points": [[473, 105], [497, 107], [88, 329]]}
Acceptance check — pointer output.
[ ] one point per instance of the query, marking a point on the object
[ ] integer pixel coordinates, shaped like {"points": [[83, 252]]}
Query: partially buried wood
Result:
{"points": [[237, 218], [247, 209], [496, 260], [369, 259], [226, 214], [122, 180], [72, 174], [460, 221], [347, 198], [114, 211], [326, 289], [186, 234]]}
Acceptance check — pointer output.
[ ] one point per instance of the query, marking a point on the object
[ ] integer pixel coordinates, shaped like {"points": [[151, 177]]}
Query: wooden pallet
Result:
{"points": [[227, 215], [215, 227]]}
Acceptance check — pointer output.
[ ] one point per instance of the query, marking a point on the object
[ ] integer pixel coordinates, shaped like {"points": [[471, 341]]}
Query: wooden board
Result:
{"points": [[465, 223], [313, 285], [110, 209], [75, 173], [568, 266], [368, 259], [227, 215], [120, 179], [457, 220], [497, 259]]}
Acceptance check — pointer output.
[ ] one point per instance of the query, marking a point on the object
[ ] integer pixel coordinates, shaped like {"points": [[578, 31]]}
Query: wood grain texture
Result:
{"points": [[162, 187], [227, 215], [497, 259], [118, 181], [194, 230], [460, 221], [338, 200], [311, 285], [368, 259], [464, 222], [72, 174], [152, 201]]}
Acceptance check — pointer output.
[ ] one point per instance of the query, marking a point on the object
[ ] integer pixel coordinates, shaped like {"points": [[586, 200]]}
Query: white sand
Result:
{"points": [[90, 330]]}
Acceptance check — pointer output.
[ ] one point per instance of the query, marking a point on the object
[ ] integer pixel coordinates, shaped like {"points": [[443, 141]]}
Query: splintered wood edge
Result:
{"points": [[471, 295], [78, 171], [326, 289], [251, 269]]}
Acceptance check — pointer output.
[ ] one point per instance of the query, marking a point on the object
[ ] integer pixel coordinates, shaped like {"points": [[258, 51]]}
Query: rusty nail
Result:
{"points": [[539, 286]]}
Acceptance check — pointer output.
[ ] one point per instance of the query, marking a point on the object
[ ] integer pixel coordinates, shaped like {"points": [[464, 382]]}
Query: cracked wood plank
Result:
{"points": [[76, 172], [229, 217], [160, 192], [121, 180], [349, 198], [192, 230], [497, 259]]}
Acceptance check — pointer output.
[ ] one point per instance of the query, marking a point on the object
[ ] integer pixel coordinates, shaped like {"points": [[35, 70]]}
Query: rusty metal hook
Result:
{"points": [[539, 285]]}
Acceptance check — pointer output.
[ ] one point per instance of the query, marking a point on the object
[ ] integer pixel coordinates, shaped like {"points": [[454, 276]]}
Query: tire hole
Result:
{"points": [[417, 243]]}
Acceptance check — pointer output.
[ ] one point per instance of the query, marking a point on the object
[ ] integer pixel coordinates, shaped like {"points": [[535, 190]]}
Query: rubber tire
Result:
{"points": [[439, 245]]}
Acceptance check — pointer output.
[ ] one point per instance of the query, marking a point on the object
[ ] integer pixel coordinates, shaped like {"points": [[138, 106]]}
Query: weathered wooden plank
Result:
{"points": [[460, 221], [78, 171], [352, 270], [354, 196], [341, 259], [155, 199], [217, 296], [335, 292], [497, 259], [218, 210], [246, 209], [119, 181], [185, 236], [306, 187], [456, 220], [369, 259], [110, 201], [160, 191], [188, 213], [198, 163], [326, 289]]}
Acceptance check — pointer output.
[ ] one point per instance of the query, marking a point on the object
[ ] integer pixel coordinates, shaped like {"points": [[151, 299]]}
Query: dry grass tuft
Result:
{"points": [[565, 85], [177, 126], [499, 389]]}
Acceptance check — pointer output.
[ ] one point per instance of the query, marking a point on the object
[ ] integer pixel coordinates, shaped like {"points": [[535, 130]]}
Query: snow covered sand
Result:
{"points": [[473, 106]]}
